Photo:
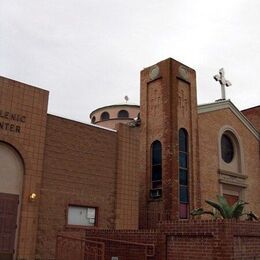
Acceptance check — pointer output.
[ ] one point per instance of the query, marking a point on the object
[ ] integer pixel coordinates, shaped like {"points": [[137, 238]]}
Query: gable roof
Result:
{"points": [[223, 104]]}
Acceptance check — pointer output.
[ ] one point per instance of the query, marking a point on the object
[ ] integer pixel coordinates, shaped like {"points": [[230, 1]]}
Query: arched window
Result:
{"points": [[230, 154], [231, 164], [123, 113], [156, 169], [105, 116], [183, 173], [93, 120]]}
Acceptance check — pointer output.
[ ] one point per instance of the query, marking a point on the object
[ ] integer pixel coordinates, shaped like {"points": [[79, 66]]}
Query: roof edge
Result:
{"points": [[223, 104], [25, 84], [83, 123], [115, 105]]}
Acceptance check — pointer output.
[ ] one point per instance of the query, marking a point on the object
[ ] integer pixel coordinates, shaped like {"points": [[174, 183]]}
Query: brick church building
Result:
{"points": [[131, 175]]}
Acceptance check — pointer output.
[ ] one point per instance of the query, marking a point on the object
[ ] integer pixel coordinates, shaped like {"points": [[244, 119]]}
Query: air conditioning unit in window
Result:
{"points": [[155, 193]]}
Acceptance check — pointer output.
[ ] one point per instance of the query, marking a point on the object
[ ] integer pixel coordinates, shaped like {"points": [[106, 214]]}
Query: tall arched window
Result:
{"points": [[105, 116], [123, 113], [183, 173], [156, 160]]}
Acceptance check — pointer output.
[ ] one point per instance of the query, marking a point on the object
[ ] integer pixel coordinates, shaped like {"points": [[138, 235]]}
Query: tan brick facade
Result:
{"points": [[127, 183], [71, 164], [210, 125], [30, 104], [80, 169]]}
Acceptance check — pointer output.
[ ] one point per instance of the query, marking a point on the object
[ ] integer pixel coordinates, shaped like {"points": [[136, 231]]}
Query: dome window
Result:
{"points": [[123, 113], [93, 120], [105, 116]]}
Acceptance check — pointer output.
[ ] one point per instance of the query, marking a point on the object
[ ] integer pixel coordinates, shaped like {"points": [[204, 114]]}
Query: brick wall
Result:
{"points": [[168, 103], [209, 138], [180, 240], [116, 243], [253, 114], [79, 168], [127, 187], [212, 239], [23, 125]]}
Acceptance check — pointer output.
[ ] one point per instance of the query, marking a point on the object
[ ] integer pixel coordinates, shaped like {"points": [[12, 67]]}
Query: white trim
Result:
{"points": [[101, 127], [223, 104]]}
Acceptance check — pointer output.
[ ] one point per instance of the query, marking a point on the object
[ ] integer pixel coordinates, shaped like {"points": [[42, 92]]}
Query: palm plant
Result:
{"points": [[222, 209]]}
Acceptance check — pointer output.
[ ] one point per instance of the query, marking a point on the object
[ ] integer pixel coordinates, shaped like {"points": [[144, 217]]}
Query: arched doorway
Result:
{"points": [[11, 180]]}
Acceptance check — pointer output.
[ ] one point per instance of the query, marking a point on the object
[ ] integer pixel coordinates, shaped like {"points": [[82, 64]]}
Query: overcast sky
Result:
{"points": [[88, 53]]}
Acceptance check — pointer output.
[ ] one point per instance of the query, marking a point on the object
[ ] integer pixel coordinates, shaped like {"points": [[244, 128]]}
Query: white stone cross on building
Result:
{"points": [[223, 82]]}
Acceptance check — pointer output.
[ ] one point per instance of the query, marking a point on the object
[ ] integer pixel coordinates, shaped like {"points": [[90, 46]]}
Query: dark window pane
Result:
{"points": [[227, 149], [183, 160], [123, 113], [157, 157], [183, 173], [184, 194], [156, 172], [183, 177], [157, 145], [156, 153], [156, 184], [183, 140], [105, 116]]}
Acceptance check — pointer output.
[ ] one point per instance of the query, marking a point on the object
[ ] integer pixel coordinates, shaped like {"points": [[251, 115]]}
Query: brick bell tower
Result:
{"points": [[170, 183]]}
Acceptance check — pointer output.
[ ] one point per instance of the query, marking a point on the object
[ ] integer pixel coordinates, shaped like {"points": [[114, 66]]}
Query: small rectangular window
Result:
{"points": [[81, 216]]}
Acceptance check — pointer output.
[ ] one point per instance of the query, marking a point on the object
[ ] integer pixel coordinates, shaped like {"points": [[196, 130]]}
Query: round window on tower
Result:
{"points": [[227, 148]]}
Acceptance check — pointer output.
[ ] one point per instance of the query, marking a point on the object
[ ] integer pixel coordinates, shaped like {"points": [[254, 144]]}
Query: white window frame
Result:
{"points": [[84, 216]]}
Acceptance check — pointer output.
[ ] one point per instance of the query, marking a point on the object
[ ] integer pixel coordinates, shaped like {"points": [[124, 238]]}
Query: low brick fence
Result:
{"points": [[130, 244], [180, 240], [222, 239]]}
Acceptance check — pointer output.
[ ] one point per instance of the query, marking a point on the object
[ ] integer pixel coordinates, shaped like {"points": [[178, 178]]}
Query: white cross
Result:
{"points": [[223, 82]]}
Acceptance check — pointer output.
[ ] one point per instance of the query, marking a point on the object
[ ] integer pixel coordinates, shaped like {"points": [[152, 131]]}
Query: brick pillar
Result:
{"points": [[168, 103], [224, 241]]}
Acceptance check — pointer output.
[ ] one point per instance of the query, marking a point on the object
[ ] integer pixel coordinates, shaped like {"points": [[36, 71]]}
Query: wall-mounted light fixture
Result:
{"points": [[33, 197]]}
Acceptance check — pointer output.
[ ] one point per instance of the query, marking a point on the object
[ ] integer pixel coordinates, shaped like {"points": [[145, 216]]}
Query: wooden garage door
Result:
{"points": [[8, 218]]}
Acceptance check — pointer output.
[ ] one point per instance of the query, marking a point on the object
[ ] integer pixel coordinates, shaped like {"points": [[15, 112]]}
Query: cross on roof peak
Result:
{"points": [[223, 82]]}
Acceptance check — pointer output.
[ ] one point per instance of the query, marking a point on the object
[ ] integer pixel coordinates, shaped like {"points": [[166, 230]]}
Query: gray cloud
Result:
{"points": [[89, 53]]}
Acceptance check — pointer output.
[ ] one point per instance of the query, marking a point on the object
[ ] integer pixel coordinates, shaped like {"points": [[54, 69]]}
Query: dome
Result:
{"points": [[109, 116]]}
